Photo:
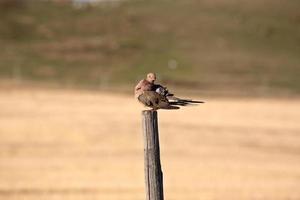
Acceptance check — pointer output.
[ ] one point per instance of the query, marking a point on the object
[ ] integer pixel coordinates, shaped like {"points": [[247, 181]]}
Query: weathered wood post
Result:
{"points": [[153, 173]]}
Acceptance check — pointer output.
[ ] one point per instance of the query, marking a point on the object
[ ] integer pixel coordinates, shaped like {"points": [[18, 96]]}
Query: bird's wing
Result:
{"points": [[156, 101], [165, 92]]}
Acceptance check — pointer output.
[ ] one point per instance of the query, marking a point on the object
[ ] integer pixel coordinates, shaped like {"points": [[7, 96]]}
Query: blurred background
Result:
{"points": [[70, 128], [220, 46]]}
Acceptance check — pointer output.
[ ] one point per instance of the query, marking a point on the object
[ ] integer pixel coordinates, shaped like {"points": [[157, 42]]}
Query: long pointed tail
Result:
{"points": [[183, 102]]}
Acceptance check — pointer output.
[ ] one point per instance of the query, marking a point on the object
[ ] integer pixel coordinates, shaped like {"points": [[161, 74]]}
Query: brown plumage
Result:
{"points": [[158, 97], [155, 101]]}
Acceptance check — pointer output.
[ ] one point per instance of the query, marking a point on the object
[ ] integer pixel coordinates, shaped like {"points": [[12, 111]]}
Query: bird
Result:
{"points": [[157, 96]]}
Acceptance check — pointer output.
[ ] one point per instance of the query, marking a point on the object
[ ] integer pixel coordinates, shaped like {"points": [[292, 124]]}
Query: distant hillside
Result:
{"points": [[210, 45]]}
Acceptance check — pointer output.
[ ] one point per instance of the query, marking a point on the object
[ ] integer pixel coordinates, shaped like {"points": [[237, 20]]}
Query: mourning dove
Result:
{"points": [[158, 97]]}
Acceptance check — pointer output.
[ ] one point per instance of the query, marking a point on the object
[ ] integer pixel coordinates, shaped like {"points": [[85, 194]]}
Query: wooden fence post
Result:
{"points": [[153, 173]]}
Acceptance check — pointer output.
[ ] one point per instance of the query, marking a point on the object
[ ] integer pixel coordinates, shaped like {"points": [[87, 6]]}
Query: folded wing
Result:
{"points": [[175, 100]]}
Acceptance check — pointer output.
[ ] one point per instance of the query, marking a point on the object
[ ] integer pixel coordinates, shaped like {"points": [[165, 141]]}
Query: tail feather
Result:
{"points": [[172, 107], [190, 101], [177, 103], [183, 102]]}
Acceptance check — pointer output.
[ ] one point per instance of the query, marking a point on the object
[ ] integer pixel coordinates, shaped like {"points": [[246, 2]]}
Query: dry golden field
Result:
{"points": [[75, 145]]}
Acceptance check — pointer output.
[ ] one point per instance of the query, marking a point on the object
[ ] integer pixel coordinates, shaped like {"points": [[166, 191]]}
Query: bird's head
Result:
{"points": [[151, 77]]}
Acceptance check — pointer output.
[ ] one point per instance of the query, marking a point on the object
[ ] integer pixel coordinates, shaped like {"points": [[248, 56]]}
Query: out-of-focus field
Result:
{"points": [[213, 45], [57, 144]]}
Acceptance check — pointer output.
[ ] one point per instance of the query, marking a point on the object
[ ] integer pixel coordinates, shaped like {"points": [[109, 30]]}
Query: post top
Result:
{"points": [[149, 112]]}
